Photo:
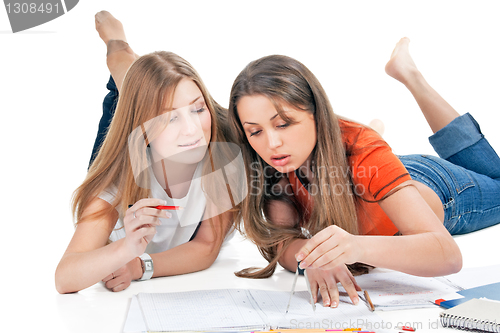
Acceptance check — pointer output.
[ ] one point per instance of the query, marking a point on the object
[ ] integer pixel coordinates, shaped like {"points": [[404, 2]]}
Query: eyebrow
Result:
{"points": [[194, 100], [247, 122]]}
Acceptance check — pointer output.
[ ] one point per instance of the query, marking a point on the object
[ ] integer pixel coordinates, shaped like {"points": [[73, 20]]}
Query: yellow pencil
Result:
{"points": [[369, 300]]}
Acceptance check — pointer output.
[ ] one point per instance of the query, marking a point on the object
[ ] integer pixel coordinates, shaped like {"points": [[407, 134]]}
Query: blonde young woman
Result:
{"points": [[313, 173], [158, 148]]}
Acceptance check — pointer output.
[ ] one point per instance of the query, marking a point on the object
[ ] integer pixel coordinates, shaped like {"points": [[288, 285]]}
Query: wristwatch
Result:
{"points": [[147, 267]]}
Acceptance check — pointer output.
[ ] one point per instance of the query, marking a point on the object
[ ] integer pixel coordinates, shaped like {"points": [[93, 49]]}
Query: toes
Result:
{"points": [[102, 16]]}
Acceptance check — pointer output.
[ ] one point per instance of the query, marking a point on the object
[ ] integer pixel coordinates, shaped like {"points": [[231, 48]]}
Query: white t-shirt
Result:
{"points": [[180, 227]]}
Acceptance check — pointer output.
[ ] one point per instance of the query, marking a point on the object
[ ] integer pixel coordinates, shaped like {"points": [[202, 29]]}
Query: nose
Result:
{"points": [[274, 140], [190, 125]]}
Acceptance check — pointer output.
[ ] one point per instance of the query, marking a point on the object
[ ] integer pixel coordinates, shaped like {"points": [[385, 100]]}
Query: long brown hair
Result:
{"points": [[149, 83], [286, 81]]}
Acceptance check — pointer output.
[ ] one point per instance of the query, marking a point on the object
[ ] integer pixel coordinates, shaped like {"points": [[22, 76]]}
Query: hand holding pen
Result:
{"points": [[140, 221]]}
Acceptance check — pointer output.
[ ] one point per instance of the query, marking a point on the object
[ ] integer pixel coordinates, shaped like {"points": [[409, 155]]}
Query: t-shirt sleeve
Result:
{"points": [[108, 195], [375, 169]]}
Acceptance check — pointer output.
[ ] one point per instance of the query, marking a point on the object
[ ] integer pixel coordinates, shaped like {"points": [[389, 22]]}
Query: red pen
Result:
{"points": [[406, 328], [169, 207]]}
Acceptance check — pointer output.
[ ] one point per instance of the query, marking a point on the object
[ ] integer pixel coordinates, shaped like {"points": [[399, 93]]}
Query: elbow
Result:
{"points": [[453, 261], [211, 254], [62, 286], [61, 289], [456, 262]]}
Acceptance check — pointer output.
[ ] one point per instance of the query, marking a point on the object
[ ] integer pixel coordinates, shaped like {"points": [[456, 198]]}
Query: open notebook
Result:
{"points": [[238, 310]]}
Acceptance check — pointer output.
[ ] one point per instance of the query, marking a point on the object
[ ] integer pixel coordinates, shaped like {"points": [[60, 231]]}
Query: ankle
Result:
{"points": [[117, 45]]}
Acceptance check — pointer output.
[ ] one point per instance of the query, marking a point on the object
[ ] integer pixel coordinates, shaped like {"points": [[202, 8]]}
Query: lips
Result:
{"points": [[191, 144], [280, 159]]}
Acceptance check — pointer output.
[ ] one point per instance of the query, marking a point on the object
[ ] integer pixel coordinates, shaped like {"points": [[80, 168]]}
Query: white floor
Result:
{"points": [[52, 81]]}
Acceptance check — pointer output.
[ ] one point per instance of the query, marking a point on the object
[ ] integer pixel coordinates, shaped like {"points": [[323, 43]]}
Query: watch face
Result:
{"points": [[149, 265]]}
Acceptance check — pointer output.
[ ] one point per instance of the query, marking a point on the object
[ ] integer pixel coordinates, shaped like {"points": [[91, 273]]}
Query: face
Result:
{"points": [[284, 146], [188, 130]]}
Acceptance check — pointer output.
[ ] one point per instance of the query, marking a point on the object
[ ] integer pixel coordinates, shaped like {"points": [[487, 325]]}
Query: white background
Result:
{"points": [[52, 82]]}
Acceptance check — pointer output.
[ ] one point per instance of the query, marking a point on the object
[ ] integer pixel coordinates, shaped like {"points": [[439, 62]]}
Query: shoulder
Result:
{"points": [[374, 167], [358, 137], [109, 194]]}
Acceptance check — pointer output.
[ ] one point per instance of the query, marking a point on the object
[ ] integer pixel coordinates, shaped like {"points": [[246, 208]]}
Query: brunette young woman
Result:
{"points": [[314, 173], [158, 147]]}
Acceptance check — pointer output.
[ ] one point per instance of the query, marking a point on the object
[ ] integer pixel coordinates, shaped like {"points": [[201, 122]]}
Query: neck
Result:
{"points": [[175, 178], [305, 170]]}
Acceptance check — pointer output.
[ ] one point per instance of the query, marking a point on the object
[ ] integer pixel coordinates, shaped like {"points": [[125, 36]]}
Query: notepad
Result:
{"points": [[397, 291], [243, 310], [477, 314]]}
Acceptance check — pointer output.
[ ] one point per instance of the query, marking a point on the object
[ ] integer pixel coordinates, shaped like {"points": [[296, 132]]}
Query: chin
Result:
{"points": [[284, 169], [191, 156]]}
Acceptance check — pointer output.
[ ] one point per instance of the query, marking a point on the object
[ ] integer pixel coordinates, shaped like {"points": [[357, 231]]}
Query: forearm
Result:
{"points": [[77, 271], [423, 254], [189, 257]]}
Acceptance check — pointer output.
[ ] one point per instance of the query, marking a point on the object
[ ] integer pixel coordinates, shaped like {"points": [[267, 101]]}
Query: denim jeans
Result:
{"points": [[466, 177], [108, 110]]}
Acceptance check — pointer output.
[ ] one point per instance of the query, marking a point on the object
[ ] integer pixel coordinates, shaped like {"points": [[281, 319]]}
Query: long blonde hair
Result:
{"points": [[287, 81], [149, 83]]}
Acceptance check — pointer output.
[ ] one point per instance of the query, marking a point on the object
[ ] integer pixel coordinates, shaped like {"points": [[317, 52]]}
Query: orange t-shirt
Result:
{"points": [[375, 171]]}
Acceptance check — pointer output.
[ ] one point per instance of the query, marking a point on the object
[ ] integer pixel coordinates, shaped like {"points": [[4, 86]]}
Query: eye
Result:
{"points": [[255, 133], [200, 110], [174, 118], [285, 125]]}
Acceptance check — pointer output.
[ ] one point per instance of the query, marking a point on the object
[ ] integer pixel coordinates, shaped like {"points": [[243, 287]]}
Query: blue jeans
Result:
{"points": [[108, 110], [466, 177]]}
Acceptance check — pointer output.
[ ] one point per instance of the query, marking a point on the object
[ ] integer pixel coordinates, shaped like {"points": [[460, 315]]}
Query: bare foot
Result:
{"points": [[378, 126], [401, 65], [109, 27], [120, 55]]}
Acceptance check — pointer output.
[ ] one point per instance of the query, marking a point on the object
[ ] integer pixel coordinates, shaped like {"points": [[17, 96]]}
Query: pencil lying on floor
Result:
{"points": [[369, 301]]}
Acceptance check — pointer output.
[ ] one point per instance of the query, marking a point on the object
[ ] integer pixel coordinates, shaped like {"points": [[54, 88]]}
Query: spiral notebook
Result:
{"points": [[476, 314]]}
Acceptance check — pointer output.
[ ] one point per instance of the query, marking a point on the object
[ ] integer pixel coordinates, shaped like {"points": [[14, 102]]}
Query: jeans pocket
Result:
{"points": [[454, 177]]}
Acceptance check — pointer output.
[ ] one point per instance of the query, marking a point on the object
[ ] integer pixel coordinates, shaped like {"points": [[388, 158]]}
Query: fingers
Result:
{"points": [[325, 255], [329, 248], [146, 233], [109, 277], [147, 202], [311, 244], [117, 281], [325, 282], [330, 294], [146, 207], [118, 284], [144, 221], [314, 288], [344, 276], [150, 212], [143, 214]]}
